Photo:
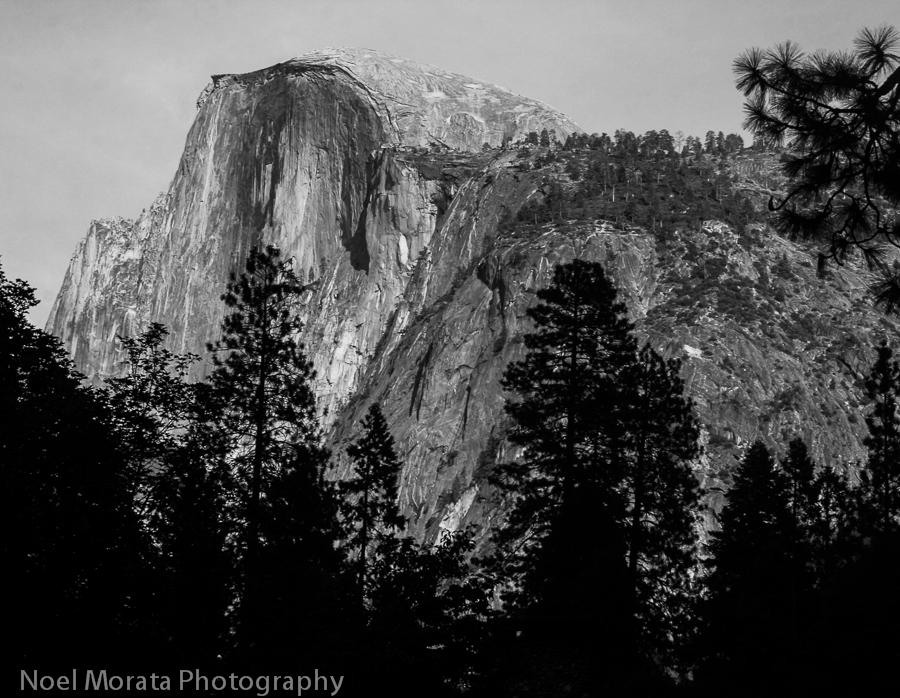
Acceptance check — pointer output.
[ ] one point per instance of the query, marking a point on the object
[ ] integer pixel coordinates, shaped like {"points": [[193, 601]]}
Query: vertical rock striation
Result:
{"points": [[295, 155]]}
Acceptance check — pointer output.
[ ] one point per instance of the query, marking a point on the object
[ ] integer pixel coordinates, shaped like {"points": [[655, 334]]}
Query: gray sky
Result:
{"points": [[97, 96]]}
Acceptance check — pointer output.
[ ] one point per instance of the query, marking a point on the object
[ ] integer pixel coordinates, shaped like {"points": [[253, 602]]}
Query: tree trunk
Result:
{"points": [[259, 445], [364, 543]]}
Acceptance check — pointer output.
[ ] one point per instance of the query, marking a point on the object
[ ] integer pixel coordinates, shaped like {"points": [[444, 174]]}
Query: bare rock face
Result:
{"points": [[419, 105], [313, 155], [418, 301], [293, 155]]}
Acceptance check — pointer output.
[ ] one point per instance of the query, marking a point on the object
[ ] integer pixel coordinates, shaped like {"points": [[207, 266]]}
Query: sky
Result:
{"points": [[97, 96]]}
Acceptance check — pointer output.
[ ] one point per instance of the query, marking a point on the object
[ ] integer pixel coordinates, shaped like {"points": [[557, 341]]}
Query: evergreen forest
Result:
{"points": [[177, 524]]}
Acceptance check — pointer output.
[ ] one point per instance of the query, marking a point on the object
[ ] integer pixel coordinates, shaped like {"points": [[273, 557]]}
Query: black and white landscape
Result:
{"points": [[409, 384]]}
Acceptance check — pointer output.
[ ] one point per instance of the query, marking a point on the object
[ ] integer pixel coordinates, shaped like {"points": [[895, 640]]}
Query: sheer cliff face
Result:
{"points": [[307, 155], [292, 155], [416, 301]]}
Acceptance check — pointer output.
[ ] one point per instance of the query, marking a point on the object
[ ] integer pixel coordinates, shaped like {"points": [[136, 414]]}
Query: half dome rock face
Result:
{"points": [[303, 155], [419, 105]]}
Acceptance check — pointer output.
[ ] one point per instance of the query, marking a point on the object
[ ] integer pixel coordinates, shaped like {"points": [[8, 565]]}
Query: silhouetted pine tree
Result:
{"points": [[789, 570], [833, 525], [824, 510], [802, 492], [287, 525], [858, 647], [370, 506], [838, 111], [749, 613], [600, 537], [152, 406], [826, 585], [423, 609], [566, 416], [428, 609], [881, 477], [662, 502], [805, 577]]}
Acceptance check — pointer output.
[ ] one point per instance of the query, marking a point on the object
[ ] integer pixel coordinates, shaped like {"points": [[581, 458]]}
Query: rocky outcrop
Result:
{"points": [[418, 287]]}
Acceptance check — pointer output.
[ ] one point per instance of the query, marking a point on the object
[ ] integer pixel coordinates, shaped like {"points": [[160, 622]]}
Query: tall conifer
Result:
{"points": [[661, 500], [287, 524], [567, 400], [749, 611], [371, 508], [603, 498], [882, 474]]}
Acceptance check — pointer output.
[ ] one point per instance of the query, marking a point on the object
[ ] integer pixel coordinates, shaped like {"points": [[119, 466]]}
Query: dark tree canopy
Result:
{"points": [[370, 509], [661, 497], [749, 609], [262, 378], [153, 406], [756, 519], [565, 416], [882, 474], [181, 483], [603, 497], [839, 114], [287, 523], [72, 554]]}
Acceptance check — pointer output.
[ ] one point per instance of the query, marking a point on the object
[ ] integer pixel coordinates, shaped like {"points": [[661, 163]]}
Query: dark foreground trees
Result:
{"points": [[72, 549], [865, 608], [600, 533], [370, 507], [140, 514], [566, 419], [180, 481], [261, 379], [749, 612], [285, 513], [146, 536], [882, 474], [153, 405], [662, 499], [802, 597], [420, 609], [839, 114]]}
